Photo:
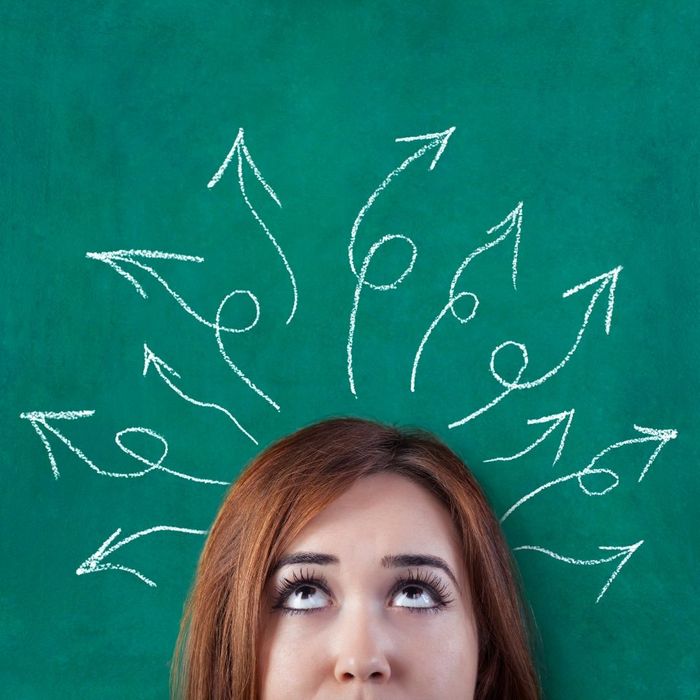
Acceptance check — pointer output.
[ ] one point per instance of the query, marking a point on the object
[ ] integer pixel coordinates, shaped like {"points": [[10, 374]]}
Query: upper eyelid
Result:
{"points": [[433, 584]]}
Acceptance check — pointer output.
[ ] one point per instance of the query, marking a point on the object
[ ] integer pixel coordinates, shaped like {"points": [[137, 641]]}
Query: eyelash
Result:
{"points": [[427, 580]]}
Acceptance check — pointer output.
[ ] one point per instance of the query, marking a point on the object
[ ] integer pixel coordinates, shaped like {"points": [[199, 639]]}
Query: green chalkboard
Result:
{"points": [[224, 221]]}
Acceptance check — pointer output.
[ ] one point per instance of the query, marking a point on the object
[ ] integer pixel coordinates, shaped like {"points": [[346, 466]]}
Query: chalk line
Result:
{"points": [[241, 151], [39, 421], [662, 436], [607, 280], [434, 140], [556, 419], [222, 349], [623, 552], [514, 222], [150, 358], [358, 289], [95, 562]]}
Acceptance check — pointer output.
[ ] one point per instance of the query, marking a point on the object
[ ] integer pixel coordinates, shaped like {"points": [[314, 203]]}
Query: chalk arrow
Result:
{"points": [[512, 222], [240, 150], [96, 562], [39, 421], [623, 553], [431, 142], [607, 281], [662, 436], [165, 371], [556, 419], [117, 258]]}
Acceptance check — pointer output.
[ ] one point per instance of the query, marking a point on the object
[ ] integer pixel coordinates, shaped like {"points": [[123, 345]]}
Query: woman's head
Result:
{"points": [[355, 560]]}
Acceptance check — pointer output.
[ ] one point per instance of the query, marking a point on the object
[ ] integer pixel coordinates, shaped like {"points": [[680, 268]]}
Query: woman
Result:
{"points": [[355, 560]]}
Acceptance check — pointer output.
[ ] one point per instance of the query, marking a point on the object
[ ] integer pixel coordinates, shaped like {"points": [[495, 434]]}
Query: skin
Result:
{"points": [[363, 637]]}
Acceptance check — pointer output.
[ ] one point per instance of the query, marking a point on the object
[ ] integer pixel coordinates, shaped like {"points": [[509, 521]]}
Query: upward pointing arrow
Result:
{"points": [[436, 140], [240, 150], [556, 419]]}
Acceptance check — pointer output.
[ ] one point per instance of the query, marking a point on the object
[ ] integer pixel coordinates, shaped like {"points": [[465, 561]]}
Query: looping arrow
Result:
{"points": [[662, 436], [607, 280], [512, 222], [241, 151], [432, 141], [96, 562], [133, 257], [39, 421]]}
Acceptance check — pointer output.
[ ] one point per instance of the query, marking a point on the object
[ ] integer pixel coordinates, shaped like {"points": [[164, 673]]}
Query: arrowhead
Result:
{"points": [[607, 278], [629, 549], [442, 138], [663, 434], [236, 145], [149, 357], [90, 564]]}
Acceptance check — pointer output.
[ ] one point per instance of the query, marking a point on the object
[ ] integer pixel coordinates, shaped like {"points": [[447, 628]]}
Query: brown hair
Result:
{"points": [[278, 493]]}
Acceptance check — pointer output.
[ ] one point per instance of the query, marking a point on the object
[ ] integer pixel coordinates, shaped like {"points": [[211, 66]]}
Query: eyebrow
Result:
{"points": [[390, 561]]}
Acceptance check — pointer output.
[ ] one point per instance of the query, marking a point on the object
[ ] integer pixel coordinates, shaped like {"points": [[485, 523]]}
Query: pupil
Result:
{"points": [[304, 590]]}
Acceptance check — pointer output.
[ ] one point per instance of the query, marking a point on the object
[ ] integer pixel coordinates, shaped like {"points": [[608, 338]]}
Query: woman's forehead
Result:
{"points": [[381, 514]]}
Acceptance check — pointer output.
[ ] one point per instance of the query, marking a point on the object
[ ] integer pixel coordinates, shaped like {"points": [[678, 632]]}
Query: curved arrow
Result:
{"points": [[437, 140], [607, 280], [131, 257], [39, 421], [623, 553], [163, 369], [662, 436], [556, 419], [514, 223], [95, 562], [241, 151]]}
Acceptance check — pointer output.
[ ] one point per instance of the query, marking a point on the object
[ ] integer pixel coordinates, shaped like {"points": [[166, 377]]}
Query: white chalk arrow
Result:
{"points": [[165, 371], [556, 420], [512, 223], [117, 258], [622, 552], [40, 422], [241, 151], [607, 281], [96, 562], [660, 435], [431, 141]]}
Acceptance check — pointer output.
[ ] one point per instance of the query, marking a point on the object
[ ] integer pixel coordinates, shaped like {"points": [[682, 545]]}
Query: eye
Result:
{"points": [[420, 592], [413, 596], [306, 597], [302, 593]]}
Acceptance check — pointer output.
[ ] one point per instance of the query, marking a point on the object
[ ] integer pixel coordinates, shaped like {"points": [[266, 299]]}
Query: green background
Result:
{"points": [[116, 115]]}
